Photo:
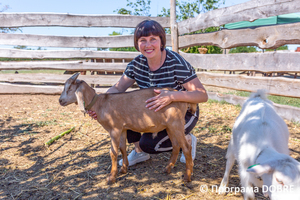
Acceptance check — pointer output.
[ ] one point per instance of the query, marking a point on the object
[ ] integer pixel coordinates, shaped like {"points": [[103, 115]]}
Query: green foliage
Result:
{"points": [[123, 11], [244, 49], [249, 49], [276, 99], [7, 30], [22, 47], [226, 129], [285, 47], [117, 49], [123, 49], [210, 48], [165, 12], [139, 8], [212, 129], [186, 10]]}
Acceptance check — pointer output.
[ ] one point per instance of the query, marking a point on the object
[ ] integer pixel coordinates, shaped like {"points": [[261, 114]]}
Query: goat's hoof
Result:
{"points": [[168, 170], [110, 180], [222, 189], [187, 178], [123, 170]]}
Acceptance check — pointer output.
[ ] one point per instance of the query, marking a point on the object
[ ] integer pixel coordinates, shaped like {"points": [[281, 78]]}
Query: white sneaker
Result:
{"points": [[135, 157], [194, 145]]}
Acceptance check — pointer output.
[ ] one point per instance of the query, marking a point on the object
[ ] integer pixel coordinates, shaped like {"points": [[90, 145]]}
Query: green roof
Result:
{"points": [[280, 19]]}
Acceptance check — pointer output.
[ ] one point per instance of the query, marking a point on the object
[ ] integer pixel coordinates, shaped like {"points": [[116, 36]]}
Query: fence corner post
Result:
{"points": [[173, 25]]}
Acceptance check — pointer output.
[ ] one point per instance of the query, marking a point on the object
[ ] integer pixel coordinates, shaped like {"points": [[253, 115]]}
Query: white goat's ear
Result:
{"points": [[259, 169], [80, 100]]}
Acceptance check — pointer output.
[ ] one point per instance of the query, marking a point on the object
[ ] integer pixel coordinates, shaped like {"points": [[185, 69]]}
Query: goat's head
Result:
{"points": [[68, 95], [281, 178]]}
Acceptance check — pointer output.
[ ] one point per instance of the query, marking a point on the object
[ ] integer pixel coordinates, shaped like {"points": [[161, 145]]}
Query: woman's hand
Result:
{"points": [[163, 99], [92, 114]]}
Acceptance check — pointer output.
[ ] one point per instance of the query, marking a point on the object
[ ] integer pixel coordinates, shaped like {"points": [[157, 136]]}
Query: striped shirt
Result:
{"points": [[174, 72]]}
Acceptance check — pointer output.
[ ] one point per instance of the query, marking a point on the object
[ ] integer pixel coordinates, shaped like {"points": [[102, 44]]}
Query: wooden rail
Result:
{"points": [[263, 37], [12, 20], [248, 11], [70, 41], [262, 62], [63, 65], [105, 80], [275, 86], [7, 88], [269, 37], [287, 112], [67, 54]]}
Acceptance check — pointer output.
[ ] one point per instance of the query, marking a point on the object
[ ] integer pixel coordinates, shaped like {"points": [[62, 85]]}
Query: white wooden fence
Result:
{"points": [[263, 37]]}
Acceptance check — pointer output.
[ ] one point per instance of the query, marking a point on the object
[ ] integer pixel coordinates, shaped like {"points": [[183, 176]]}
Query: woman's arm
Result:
{"points": [[195, 94], [121, 86]]}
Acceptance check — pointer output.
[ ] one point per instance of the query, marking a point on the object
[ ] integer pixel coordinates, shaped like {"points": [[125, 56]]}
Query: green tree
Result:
{"points": [[139, 8], [7, 30], [285, 47], [186, 10], [122, 48], [244, 49], [21, 47]]}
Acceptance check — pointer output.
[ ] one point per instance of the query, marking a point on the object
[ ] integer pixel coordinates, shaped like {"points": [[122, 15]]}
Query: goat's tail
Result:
{"points": [[260, 93], [192, 107]]}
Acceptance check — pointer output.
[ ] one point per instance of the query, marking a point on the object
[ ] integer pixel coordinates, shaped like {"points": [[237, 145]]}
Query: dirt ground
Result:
{"points": [[76, 166]]}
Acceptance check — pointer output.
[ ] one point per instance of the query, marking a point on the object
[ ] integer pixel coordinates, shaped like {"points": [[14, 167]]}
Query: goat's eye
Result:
{"points": [[280, 182], [67, 91]]}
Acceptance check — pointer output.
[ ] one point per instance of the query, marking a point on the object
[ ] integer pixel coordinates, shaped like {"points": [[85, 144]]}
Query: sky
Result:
{"points": [[83, 7]]}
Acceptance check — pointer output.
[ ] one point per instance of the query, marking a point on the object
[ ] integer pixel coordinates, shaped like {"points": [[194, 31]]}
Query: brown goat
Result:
{"points": [[119, 112]]}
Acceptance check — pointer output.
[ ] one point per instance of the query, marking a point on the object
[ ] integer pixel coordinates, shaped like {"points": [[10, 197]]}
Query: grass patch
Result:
{"points": [[40, 123], [210, 101], [285, 100], [276, 99], [46, 123]]}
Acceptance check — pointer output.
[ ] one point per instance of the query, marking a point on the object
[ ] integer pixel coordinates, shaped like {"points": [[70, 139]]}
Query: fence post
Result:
{"points": [[173, 25]]}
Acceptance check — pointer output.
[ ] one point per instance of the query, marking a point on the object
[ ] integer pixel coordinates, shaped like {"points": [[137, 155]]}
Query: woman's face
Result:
{"points": [[150, 46]]}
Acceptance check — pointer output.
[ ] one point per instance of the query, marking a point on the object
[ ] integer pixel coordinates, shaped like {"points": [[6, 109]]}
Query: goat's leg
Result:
{"points": [[187, 152], [245, 183], [125, 164], [115, 140], [175, 152], [229, 164], [177, 134]]}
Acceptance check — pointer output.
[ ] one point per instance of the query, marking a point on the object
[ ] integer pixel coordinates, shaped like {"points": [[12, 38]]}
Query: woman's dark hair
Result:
{"points": [[147, 28]]}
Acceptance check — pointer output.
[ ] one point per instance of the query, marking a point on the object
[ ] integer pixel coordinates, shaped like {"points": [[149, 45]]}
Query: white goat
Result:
{"points": [[259, 143]]}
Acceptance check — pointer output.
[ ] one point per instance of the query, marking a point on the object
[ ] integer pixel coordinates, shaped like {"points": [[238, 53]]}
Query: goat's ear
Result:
{"points": [[71, 80], [74, 77], [80, 100], [260, 169]]}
